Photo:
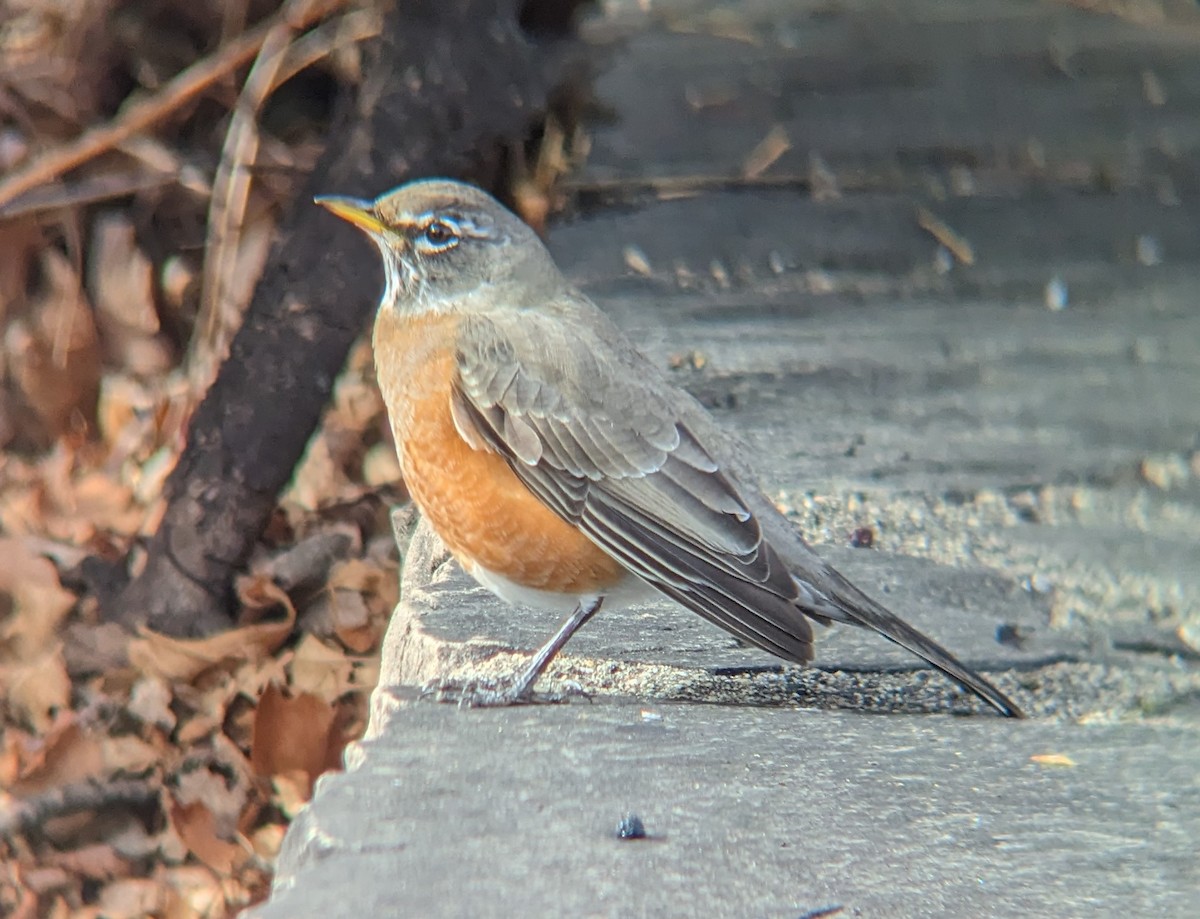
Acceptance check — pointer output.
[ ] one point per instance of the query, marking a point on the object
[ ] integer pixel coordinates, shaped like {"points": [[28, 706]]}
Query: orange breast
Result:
{"points": [[474, 501]]}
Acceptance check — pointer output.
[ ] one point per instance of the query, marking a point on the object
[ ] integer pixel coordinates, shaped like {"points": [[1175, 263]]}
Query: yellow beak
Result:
{"points": [[354, 210]]}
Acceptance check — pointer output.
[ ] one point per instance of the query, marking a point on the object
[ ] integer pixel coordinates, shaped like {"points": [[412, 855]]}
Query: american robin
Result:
{"points": [[558, 464]]}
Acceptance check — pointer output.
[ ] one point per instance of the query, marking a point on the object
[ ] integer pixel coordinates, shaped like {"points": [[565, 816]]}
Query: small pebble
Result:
{"points": [[719, 274], [1149, 251], [1057, 295], [862, 538], [943, 260], [637, 262], [631, 827], [1012, 636], [1041, 584]]}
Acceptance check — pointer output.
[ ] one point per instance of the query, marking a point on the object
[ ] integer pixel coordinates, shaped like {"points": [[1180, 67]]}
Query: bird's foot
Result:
{"points": [[497, 693]]}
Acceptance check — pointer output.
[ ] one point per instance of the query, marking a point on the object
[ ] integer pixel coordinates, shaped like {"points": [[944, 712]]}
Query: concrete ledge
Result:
{"points": [[446, 627], [771, 813]]}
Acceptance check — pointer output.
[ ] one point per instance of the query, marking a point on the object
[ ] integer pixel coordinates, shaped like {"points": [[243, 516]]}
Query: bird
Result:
{"points": [[558, 463]]}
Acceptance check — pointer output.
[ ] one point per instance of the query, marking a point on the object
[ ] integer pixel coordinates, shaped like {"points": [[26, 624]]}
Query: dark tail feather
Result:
{"points": [[865, 612]]}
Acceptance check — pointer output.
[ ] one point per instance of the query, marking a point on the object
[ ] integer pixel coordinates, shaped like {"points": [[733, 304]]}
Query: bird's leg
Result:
{"points": [[475, 695], [547, 652]]}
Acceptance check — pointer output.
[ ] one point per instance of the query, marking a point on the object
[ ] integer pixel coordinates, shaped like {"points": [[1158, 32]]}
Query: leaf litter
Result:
{"points": [[149, 775]]}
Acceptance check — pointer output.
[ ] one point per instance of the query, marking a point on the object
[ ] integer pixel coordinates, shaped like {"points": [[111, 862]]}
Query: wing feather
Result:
{"points": [[606, 454]]}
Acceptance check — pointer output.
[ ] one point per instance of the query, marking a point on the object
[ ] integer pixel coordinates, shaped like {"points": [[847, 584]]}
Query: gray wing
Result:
{"points": [[589, 426]]}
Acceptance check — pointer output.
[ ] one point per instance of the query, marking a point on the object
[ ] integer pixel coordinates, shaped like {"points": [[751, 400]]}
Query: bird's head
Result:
{"points": [[446, 245]]}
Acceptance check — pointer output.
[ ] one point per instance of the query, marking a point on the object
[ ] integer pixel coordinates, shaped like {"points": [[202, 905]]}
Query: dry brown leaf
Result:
{"points": [[317, 477], [351, 621], [130, 898], [21, 508], [379, 590], [123, 408], [63, 754], [129, 754], [36, 689], [99, 861], [183, 660], [150, 703], [193, 892], [260, 594], [27, 908], [291, 791], [357, 404], [43, 880], [38, 602], [54, 354], [294, 735], [105, 504], [267, 841], [251, 680], [20, 240], [121, 281], [321, 670], [196, 826], [380, 465], [206, 702], [69, 754], [67, 501], [11, 743]]}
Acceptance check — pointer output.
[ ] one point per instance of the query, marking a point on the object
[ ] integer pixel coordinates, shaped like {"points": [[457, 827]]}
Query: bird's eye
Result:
{"points": [[439, 235]]}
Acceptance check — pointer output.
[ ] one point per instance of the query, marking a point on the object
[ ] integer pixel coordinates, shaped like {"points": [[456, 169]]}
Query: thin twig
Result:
{"points": [[138, 116], [280, 58], [227, 207], [681, 185], [955, 242]]}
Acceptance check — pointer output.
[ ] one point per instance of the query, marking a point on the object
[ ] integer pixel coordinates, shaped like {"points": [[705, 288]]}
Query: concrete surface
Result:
{"points": [[1020, 428], [482, 813]]}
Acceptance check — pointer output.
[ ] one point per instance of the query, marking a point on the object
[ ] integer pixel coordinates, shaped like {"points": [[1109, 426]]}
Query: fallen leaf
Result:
{"points": [[62, 754], [222, 780], [1052, 759], [37, 689], [193, 892], [150, 703], [105, 504], [290, 791], [130, 898], [38, 602], [317, 475], [294, 735], [121, 281], [69, 754], [184, 659], [325, 672], [267, 841], [54, 354], [99, 862], [377, 588], [196, 826]]}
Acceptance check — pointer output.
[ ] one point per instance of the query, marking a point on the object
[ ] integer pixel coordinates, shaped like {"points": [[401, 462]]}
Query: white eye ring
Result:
{"points": [[439, 235]]}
